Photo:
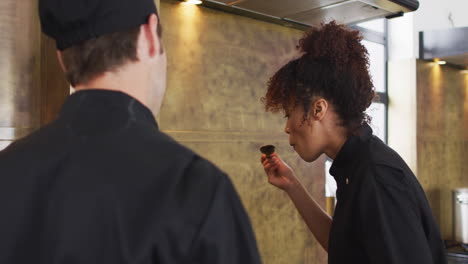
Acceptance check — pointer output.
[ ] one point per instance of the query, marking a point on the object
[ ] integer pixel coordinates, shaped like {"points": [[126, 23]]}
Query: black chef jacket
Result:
{"points": [[102, 185], [382, 215]]}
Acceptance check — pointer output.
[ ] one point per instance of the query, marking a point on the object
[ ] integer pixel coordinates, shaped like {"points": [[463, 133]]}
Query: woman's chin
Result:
{"points": [[308, 158]]}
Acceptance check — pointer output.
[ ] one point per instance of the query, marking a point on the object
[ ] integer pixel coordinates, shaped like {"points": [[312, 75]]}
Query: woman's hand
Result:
{"points": [[281, 176], [279, 173]]}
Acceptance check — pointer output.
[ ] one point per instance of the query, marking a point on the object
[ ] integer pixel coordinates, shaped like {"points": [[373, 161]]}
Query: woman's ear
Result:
{"points": [[318, 109]]}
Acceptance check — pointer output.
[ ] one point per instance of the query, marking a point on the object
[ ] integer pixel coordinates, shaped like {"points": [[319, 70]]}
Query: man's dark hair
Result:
{"points": [[334, 65], [85, 61]]}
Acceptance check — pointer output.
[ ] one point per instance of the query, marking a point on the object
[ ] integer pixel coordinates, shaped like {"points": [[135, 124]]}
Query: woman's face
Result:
{"points": [[305, 136]]}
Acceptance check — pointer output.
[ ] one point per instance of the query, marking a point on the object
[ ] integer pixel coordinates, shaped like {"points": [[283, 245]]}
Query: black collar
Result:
{"points": [[85, 99], [349, 154]]}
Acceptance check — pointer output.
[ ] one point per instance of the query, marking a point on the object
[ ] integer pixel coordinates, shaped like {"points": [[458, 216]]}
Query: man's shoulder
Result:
{"points": [[142, 145], [155, 150], [200, 166], [42, 138], [153, 142]]}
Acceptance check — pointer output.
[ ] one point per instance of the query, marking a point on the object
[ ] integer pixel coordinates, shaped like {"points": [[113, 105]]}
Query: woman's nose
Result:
{"points": [[286, 130]]}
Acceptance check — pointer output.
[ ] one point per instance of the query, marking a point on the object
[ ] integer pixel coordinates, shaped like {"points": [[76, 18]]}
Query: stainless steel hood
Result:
{"points": [[313, 12], [449, 45]]}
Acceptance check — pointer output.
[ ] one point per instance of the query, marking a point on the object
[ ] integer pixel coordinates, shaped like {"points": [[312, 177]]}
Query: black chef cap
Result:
{"points": [[70, 22]]}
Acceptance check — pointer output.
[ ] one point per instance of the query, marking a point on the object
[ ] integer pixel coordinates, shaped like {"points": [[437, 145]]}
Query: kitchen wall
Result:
{"points": [[19, 70], [442, 138], [32, 87], [428, 108], [403, 51], [218, 67]]}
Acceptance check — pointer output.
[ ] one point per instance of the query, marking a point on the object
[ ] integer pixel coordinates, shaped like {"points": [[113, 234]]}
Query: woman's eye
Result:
{"points": [[286, 116]]}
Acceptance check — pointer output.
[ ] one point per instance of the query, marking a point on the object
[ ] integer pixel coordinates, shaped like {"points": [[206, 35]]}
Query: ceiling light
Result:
{"points": [[440, 62], [193, 2]]}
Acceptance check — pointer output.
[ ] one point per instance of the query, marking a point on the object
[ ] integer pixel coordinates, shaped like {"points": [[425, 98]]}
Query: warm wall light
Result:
{"points": [[440, 62], [464, 71], [193, 2]]}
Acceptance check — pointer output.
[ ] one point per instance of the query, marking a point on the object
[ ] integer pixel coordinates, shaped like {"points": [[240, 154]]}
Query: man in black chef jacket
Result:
{"points": [[101, 184]]}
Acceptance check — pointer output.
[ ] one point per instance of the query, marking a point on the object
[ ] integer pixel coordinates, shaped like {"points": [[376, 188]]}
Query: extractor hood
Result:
{"points": [[314, 12], [448, 45]]}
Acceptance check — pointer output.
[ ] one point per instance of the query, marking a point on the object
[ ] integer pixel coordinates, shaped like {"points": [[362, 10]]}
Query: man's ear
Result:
{"points": [[318, 109], [149, 43], [60, 59]]}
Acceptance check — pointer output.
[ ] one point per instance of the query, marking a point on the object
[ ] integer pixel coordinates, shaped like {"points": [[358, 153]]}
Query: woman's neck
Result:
{"points": [[337, 138]]}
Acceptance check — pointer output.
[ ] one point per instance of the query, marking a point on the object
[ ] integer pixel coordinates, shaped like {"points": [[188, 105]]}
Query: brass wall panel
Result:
{"points": [[442, 138], [32, 86], [19, 64], [218, 67]]}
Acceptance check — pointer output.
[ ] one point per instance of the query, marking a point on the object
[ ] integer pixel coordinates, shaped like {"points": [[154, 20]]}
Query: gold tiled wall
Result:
{"points": [[218, 67], [442, 138], [19, 69], [32, 86]]}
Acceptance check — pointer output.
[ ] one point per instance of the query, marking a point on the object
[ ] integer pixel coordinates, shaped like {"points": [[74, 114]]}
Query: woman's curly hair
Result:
{"points": [[333, 65]]}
